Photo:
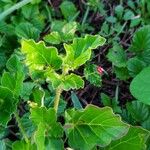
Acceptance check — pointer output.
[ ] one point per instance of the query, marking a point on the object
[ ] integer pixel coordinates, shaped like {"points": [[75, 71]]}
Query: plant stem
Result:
{"points": [[59, 90], [21, 127], [13, 8], [57, 98], [85, 16]]}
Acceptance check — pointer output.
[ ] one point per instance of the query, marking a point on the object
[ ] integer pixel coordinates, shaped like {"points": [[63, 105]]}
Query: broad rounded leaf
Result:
{"points": [[39, 56], [30, 11], [134, 140], [94, 126], [141, 40], [129, 15], [140, 86]]}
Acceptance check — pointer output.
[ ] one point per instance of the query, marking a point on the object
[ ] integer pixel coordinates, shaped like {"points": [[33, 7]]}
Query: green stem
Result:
{"points": [[85, 16], [13, 8], [121, 2], [59, 90], [21, 127], [57, 98], [143, 8]]}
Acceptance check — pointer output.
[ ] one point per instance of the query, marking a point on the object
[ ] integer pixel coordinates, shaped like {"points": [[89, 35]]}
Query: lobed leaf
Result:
{"points": [[61, 33], [13, 64], [47, 127], [39, 56], [13, 83], [79, 51], [94, 126], [71, 81]]}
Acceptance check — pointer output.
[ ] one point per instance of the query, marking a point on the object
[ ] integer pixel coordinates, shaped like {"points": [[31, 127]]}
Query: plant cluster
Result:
{"points": [[54, 54]]}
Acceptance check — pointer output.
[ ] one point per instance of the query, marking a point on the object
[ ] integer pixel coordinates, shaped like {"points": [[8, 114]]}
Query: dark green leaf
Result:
{"points": [[140, 86], [128, 15], [68, 10], [105, 100], [27, 31], [7, 105], [121, 73], [117, 56], [91, 74], [134, 66], [13, 64], [138, 110], [141, 40]]}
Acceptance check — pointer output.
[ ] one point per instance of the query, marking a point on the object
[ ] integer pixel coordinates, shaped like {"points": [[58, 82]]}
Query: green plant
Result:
{"points": [[47, 93], [84, 128]]}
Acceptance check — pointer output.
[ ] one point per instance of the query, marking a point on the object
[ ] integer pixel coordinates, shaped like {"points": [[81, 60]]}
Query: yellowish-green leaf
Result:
{"points": [[38, 56], [79, 51], [39, 137], [22, 145], [67, 82]]}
